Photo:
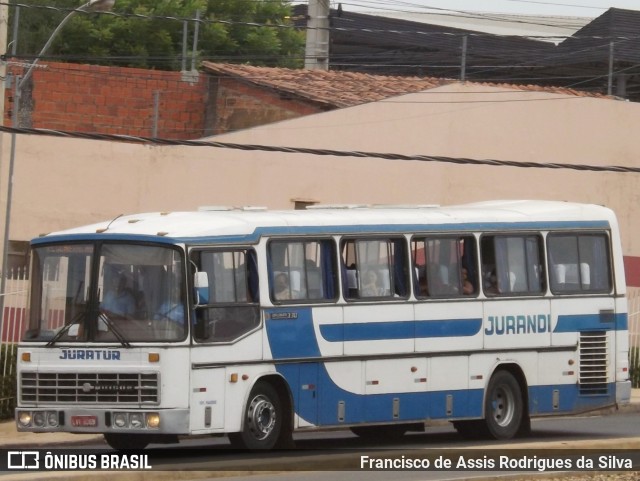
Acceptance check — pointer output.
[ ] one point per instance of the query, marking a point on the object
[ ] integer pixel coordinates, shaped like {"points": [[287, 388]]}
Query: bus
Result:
{"points": [[257, 324]]}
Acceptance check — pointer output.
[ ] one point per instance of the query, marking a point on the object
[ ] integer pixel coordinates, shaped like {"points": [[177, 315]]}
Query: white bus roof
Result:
{"points": [[214, 222]]}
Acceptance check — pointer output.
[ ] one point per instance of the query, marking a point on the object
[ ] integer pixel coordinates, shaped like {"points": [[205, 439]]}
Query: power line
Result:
{"points": [[323, 152], [304, 27]]}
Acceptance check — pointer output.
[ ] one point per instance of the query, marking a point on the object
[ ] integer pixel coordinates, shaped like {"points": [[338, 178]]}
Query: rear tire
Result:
{"points": [[263, 421], [503, 410]]}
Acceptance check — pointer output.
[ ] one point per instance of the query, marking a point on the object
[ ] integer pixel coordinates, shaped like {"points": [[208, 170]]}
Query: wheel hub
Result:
{"points": [[262, 417], [503, 405]]}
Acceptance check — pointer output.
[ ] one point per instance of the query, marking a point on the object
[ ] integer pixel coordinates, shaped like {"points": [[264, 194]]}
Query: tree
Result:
{"points": [[149, 33]]}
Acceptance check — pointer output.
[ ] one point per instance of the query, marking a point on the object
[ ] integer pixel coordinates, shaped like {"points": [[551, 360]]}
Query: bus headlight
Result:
{"points": [[38, 419], [136, 421], [120, 420], [52, 419], [153, 420], [24, 418]]}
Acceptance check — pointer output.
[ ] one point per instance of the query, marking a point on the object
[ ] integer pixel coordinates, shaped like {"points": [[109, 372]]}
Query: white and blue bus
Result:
{"points": [[256, 324]]}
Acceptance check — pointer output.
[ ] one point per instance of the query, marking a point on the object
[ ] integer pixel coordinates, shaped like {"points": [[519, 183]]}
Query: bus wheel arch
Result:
{"points": [[506, 403], [267, 420]]}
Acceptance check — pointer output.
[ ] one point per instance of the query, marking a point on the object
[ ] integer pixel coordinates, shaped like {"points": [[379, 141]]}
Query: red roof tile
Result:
{"points": [[345, 89], [334, 88]]}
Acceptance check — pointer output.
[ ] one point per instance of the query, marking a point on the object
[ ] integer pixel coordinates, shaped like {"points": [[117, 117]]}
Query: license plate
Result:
{"points": [[84, 421]]}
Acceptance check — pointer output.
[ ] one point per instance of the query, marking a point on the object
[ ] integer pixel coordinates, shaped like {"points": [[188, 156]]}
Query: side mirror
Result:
{"points": [[201, 287]]}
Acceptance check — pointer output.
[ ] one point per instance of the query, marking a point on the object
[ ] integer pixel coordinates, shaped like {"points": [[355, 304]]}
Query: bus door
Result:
{"points": [[225, 331]]}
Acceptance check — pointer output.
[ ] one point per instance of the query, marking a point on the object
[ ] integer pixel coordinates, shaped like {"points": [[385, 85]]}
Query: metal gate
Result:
{"points": [[12, 326]]}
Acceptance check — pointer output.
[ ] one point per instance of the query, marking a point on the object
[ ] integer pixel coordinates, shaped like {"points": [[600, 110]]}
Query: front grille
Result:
{"points": [[78, 388], [594, 362]]}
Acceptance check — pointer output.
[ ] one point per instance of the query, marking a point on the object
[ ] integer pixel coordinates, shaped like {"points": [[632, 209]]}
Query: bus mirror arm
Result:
{"points": [[201, 288]]}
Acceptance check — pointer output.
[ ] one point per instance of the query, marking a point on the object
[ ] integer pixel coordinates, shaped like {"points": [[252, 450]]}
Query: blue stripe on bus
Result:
{"points": [[375, 331], [255, 236], [291, 334], [589, 322], [404, 228]]}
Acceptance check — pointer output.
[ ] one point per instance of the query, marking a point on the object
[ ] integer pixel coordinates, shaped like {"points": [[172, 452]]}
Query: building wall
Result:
{"points": [[117, 100], [60, 183], [112, 100], [241, 105]]}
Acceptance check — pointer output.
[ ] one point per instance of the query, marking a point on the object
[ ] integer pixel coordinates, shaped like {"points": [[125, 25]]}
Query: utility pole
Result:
{"points": [[4, 33], [316, 56]]}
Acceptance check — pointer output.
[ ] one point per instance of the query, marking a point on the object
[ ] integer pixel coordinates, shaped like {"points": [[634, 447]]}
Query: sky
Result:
{"points": [[577, 8]]}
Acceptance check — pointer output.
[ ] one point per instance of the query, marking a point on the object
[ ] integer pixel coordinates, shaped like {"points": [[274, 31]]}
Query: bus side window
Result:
{"points": [[445, 266], [232, 308], [375, 268], [579, 263], [512, 264], [302, 271]]}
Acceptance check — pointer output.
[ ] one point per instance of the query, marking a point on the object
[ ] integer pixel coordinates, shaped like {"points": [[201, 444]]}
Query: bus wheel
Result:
{"points": [[122, 442], [503, 409], [263, 420]]}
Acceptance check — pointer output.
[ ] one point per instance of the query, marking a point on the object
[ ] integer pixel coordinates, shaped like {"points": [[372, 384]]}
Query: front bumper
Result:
{"points": [[101, 420]]}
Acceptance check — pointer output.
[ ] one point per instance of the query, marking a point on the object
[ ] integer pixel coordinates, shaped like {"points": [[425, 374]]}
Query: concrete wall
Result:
{"points": [[63, 182]]}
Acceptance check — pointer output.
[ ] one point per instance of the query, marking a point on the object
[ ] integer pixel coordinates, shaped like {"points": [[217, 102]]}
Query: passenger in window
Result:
{"points": [[423, 287], [118, 299], [491, 283], [282, 289], [370, 286], [467, 286], [171, 311]]}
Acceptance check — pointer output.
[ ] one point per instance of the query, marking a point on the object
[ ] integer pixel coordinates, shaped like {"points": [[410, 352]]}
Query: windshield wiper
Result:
{"points": [[105, 318], [64, 329]]}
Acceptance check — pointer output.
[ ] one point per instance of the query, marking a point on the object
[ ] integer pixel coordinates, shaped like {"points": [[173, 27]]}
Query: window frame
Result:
{"points": [[252, 303], [541, 261], [473, 279], [393, 285], [320, 241], [579, 290]]}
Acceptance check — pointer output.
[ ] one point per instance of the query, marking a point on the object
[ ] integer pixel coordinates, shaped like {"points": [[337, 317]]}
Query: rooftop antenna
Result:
{"points": [[100, 231]]}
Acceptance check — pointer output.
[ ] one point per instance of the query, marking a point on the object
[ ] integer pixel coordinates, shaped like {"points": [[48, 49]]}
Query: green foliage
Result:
{"points": [[149, 33], [7, 380], [634, 367]]}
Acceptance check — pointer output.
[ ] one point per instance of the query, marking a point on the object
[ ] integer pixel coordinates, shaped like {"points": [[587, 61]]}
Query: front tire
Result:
{"points": [[263, 421], [503, 410]]}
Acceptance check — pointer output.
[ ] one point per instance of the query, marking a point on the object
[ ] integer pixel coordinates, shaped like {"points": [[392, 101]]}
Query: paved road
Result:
{"points": [[340, 451]]}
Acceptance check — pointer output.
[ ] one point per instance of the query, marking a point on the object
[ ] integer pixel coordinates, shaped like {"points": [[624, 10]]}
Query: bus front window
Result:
{"points": [[60, 292], [135, 295]]}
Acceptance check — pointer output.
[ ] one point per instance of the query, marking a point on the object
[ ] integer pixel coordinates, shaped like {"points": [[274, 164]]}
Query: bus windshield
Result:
{"points": [[107, 292]]}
